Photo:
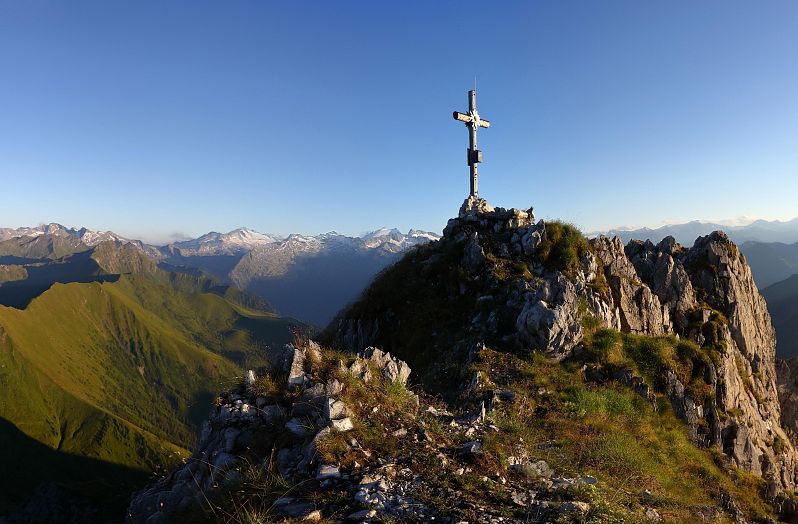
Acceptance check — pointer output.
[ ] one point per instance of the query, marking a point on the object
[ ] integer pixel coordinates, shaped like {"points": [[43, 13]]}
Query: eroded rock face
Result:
{"points": [[640, 310], [696, 286], [666, 277], [552, 321]]}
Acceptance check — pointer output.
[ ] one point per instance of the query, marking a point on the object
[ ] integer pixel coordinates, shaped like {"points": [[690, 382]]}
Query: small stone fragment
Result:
{"points": [[575, 508], [344, 424], [327, 471], [362, 514], [472, 447]]}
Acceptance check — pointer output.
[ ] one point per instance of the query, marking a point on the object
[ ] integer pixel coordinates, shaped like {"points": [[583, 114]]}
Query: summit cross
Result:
{"points": [[472, 121]]}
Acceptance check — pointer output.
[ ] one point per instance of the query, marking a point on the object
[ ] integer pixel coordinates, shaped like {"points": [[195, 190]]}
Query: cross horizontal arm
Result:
{"points": [[461, 117], [484, 123]]}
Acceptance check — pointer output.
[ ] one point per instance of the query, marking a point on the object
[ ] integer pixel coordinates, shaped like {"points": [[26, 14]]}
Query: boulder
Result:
{"points": [[552, 322]]}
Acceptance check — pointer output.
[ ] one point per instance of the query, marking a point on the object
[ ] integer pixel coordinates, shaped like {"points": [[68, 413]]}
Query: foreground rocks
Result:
{"points": [[285, 444], [250, 430]]}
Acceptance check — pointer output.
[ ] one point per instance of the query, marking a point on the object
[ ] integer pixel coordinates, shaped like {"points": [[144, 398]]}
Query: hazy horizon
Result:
{"points": [[177, 237]]}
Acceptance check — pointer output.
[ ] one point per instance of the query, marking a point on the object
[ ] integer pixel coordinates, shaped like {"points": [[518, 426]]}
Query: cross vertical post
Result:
{"points": [[472, 143], [472, 121]]}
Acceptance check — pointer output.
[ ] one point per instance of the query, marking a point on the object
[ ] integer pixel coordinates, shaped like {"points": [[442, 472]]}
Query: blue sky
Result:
{"points": [[165, 118]]}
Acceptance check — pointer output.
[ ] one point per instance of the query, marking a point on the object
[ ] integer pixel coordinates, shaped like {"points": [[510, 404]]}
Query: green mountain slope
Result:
{"points": [[120, 372]]}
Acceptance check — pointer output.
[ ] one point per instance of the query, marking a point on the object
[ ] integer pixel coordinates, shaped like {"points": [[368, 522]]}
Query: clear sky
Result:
{"points": [[159, 118]]}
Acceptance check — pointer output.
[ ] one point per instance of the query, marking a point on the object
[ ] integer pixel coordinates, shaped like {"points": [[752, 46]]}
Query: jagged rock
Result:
{"points": [[552, 322], [519, 303], [530, 240], [294, 365], [684, 407], [667, 278], [640, 310], [393, 369], [473, 207], [748, 369], [245, 423], [360, 369]]}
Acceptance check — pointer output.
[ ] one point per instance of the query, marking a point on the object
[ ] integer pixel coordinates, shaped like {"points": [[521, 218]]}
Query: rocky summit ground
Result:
{"points": [[513, 371]]}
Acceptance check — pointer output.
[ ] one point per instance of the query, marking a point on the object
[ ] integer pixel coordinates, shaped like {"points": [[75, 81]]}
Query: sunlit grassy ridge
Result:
{"points": [[641, 453], [124, 371]]}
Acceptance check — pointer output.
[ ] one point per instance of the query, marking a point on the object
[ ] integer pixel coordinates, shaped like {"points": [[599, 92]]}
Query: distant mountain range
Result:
{"points": [[685, 234], [306, 277]]}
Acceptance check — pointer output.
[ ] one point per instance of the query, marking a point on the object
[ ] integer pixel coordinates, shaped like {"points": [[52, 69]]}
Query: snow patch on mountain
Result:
{"points": [[238, 241]]}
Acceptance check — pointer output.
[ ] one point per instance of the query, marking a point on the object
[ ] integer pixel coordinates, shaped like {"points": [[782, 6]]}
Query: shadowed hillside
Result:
{"points": [[64, 485], [123, 370], [782, 299]]}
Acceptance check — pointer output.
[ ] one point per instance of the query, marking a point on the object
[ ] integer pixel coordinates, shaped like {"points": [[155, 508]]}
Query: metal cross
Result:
{"points": [[472, 121]]}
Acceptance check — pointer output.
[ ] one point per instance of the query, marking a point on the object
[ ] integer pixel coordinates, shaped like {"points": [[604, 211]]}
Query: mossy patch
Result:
{"points": [[562, 247]]}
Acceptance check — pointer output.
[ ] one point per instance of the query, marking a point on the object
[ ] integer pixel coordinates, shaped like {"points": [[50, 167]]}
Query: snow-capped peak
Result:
{"points": [[236, 241], [87, 236], [382, 232]]}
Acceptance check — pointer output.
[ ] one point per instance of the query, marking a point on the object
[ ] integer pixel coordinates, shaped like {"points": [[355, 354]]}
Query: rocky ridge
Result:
{"points": [[704, 294]]}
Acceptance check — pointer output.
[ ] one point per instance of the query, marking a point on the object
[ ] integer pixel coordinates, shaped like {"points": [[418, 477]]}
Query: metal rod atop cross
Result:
{"points": [[472, 121]]}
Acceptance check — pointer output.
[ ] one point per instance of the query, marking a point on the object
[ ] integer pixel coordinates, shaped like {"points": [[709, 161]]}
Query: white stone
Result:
{"points": [[327, 471], [249, 381], [344, 424]]}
